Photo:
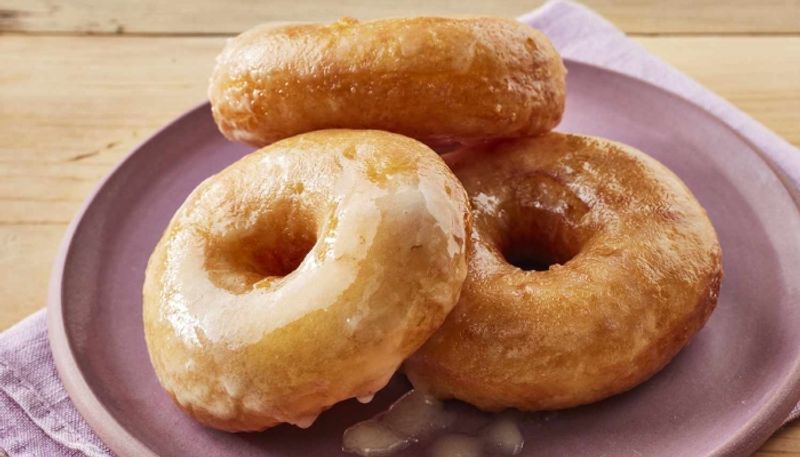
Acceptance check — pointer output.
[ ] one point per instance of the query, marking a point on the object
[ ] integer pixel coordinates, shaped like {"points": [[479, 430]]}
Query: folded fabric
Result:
{"points": [[38, 419]]}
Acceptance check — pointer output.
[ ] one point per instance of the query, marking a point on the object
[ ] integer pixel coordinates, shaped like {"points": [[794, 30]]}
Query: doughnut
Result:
{"points": [[591, 265], [303, 275], [440, 80]]}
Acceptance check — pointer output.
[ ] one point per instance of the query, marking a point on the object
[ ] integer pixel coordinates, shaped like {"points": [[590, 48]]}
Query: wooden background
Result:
{"points": [[83, 81]]}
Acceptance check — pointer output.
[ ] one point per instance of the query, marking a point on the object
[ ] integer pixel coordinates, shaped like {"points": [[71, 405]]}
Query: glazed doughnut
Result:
{"points": [[303, 275], [634, 272], [434, 79]]}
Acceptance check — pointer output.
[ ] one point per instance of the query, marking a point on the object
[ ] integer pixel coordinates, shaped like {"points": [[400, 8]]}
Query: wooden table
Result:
{"points": [[82, 82]]}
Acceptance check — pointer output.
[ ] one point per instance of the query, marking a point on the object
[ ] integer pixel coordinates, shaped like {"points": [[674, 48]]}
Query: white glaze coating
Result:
{"points": [[242, 344]]}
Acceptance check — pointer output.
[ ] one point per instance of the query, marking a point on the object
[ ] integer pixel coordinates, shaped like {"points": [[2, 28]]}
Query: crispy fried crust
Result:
{"points": [[637, 272], [431, 78]]}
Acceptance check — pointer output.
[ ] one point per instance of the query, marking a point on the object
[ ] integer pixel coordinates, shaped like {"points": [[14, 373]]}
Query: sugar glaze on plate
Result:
{"points": [[445, 429]]}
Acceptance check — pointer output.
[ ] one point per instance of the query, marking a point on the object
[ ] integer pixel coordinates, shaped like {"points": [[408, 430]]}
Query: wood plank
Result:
{"points": [[785, 442], [760, 76], [70, 108], [230, 17], [26, 253]]}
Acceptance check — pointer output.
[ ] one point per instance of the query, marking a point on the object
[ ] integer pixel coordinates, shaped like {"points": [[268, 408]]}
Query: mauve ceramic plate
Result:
{"points": [[723, 395]]}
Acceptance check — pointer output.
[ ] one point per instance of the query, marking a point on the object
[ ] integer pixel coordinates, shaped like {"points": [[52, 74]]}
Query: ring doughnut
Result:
{"points": [[435, 79], [303, 275], [634, 272]]}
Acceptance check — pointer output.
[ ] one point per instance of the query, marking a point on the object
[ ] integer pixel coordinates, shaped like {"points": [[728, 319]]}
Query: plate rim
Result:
{"points": [[744, 441]]}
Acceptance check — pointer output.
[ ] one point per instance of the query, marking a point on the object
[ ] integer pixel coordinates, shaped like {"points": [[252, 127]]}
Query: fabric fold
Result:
{"points": [[37, 417]]}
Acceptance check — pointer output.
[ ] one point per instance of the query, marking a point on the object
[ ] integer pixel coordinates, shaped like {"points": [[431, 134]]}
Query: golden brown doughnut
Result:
{"points": [[303, 275], [432, 78], [634, 272]]}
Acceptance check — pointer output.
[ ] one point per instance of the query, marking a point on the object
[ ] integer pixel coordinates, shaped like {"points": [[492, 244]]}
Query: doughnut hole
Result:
{"points": [[538, 239], [542, 224], [264, 251]]}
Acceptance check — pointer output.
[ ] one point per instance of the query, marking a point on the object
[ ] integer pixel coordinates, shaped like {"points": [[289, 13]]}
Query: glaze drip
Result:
{"points": [[442, 430]]}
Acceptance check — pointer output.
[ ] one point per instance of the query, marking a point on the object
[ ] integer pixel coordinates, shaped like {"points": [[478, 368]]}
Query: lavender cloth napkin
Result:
{"points": [[36, 416], [38, 419]]}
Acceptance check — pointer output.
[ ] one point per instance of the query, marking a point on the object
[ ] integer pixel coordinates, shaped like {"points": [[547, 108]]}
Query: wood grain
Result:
{"points": [[70, 108], [784, 443], [218, 17], [759, 75]]}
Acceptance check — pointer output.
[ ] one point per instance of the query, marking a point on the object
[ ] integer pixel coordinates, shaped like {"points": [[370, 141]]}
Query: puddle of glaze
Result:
{"points": [[417, 414], [413, 416], [438, 429], [371, 438], [456, 445], [503, 436]]}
